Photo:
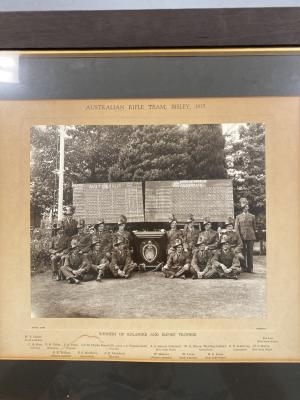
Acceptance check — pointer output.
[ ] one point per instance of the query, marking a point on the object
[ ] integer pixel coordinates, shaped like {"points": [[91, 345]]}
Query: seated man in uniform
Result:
{"points": [[225, 261], [209, 236], [95, 257], [201, 258], [178, 264], [87, 271], [58, 249], [100, 259], [121, 264], [234, 238], [93, 264], [72, 263]]}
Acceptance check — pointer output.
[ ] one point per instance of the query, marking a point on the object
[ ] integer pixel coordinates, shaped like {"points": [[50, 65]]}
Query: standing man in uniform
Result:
{"points": [[209, 236], [123, 233], [121, 264], [178, 264], [58, 249], [245, 226], [190, 235], [172, 235], [69, 223]]}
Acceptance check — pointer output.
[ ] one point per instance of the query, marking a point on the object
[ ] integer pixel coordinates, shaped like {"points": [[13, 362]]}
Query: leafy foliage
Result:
{"points": [[170, 152], [89, 152], [245, 156], [39, 250], [96, 153]]}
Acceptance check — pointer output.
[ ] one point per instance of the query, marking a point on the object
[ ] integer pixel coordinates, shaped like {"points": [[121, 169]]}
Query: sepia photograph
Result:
{"points": [[148, 221]]}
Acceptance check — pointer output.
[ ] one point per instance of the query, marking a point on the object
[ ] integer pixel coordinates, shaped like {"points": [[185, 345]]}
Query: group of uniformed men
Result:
{"points": [[80, 253]]}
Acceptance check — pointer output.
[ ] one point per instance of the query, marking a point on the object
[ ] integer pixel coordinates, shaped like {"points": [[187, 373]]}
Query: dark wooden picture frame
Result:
{"points": [[242, 27]]}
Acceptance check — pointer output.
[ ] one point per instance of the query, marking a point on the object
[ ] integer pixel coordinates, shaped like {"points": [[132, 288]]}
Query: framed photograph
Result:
{"points": [[150, 205]]}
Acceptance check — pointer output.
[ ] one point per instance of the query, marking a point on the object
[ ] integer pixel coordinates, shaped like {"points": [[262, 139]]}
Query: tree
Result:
{"points": [[99, 153], [43, 167], [169, 152], [245, 155], [89, 152]]}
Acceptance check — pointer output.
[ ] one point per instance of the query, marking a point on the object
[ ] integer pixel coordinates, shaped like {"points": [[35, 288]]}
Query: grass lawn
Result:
{"points": [[150, 295]]}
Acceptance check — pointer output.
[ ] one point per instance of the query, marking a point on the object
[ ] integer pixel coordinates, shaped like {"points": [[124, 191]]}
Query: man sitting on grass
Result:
{"points": [[225, 261], [121, 264], [201, 257], [100, 259], [72, 263], [178, 263]]}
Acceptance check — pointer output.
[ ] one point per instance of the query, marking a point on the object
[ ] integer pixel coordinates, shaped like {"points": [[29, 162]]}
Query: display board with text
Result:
{"points": [[202, 198], [108, 200]]}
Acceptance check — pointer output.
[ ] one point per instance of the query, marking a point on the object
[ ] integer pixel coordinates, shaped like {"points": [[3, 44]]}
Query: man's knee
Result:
{"points": [[186, 267], [113, 270], [240, 256], [63, 269], [193, 271]]}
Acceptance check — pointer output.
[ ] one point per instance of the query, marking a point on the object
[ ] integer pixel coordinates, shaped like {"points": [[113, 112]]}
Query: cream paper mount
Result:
{"points": [[148, 317]]}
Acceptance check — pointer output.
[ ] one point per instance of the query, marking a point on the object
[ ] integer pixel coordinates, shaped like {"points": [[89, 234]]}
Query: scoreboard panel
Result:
{"points": [[108, 201], [202, 198]]}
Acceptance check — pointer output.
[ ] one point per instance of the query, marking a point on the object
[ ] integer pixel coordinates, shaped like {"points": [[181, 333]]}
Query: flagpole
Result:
{"points": [[61, 130]]}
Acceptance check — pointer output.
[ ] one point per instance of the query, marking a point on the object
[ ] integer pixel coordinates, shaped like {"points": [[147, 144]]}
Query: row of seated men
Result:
{"points": [[205, 254], [79, 254], [85, 253]]}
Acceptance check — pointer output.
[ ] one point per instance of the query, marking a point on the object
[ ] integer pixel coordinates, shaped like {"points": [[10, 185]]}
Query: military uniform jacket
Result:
{"points": [[121, 258], [84, 242], [59, 243], [210, 238], [200, 259], [105, 242], [178, 259], [172, 235], [190, 237], [235, 241], [96, 257], [70, 227], [126, 235], [73, 260], [229, 259], [245, 226]]}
